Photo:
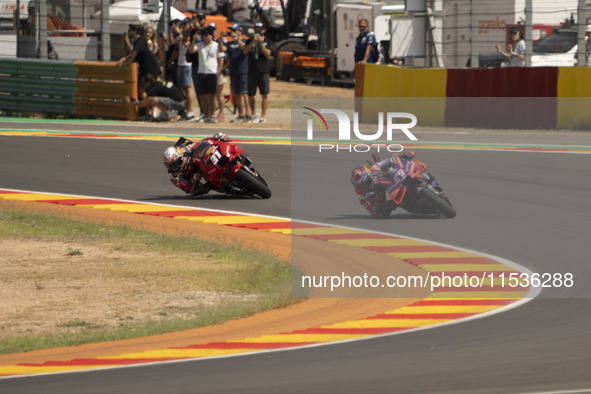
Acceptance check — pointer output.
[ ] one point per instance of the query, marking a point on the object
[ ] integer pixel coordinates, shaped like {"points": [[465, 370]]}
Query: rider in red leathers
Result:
{"points": [[184, 166], [370, 194]]}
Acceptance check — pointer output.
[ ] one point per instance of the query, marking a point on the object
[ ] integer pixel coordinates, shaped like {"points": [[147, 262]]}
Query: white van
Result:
{"points": [[559, 49]]}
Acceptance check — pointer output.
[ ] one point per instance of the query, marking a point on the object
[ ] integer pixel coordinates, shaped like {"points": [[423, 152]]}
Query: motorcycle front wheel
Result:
{"points": [[437, 200], [251, 183]]}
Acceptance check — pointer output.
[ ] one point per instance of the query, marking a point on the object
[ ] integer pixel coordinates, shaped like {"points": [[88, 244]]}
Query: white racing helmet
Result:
{"points": [[173, 158]]}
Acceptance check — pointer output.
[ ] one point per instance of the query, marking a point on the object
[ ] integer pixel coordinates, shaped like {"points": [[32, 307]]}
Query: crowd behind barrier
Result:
{"points": [[195, 67]]}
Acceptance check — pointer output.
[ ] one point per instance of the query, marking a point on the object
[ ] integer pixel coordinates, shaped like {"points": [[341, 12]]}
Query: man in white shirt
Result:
{"points": [[210, 67]]}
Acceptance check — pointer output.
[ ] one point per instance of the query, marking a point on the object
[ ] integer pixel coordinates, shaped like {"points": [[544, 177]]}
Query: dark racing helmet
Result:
{"points": [[360, 178], [173, 159]]}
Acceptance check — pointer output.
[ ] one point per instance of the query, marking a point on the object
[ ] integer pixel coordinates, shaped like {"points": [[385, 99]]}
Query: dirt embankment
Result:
{"points": [[306, 314]]}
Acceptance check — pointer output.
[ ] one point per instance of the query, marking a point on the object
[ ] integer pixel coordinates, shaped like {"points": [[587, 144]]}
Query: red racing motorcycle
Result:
{"points": [[227, 168]]}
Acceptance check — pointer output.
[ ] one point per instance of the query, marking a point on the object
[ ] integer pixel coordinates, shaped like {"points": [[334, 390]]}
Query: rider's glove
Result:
{"points": [[221, 137], [407, 155], [187, 151]]}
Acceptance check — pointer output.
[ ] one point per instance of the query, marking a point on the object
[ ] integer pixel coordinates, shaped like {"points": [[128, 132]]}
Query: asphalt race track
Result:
{"points": [[530, 208]]}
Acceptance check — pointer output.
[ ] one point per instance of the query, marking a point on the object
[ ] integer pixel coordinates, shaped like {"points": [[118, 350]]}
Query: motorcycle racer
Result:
{"points": [[370, 194], [183, 163]]}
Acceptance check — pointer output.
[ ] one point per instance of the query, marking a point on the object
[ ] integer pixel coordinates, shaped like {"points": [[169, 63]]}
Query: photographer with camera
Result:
{"points": [[259, 50], [238, 63]]}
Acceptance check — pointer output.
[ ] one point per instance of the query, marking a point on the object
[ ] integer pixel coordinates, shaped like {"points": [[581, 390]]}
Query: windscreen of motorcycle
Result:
{"points": [[203, 149]]}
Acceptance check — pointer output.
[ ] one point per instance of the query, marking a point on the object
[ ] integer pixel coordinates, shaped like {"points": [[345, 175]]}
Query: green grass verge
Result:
{"points": [[201, 266]]}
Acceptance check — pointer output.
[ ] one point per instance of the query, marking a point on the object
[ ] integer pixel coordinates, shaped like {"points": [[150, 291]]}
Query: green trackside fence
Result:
{"points": [[90, 89]]}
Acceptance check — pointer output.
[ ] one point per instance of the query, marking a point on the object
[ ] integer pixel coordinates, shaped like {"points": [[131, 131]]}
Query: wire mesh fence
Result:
{"points": [[478, 29], [74, 30], [424, 33]]}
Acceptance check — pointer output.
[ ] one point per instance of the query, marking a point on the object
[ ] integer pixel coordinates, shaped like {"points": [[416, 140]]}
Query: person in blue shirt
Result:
{"points": [[238, 62], [365, 45]]}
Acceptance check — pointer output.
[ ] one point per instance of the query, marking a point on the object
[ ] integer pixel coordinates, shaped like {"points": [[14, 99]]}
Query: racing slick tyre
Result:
{"points": [[437, 200], [252, 183]]}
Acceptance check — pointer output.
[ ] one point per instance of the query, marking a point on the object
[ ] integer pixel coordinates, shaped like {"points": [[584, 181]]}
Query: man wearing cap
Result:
{"points": [[219, 40], [214, 29], [516, 51], [258, 49], [238, 71]]}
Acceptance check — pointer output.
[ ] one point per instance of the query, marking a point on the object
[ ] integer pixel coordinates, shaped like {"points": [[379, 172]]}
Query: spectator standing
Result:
{"points": [[366, 46], [210, 67], [516, 51], [172, 53], [185, 80], [152, 40], [238, 63], [28, 27], [146, 60], [200, 20], [258, 49], [195, 33], [222, 41]]}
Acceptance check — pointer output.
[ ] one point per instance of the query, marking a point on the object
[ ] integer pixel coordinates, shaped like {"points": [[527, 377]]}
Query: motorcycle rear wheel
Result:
{"points": [[252, 184]]}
